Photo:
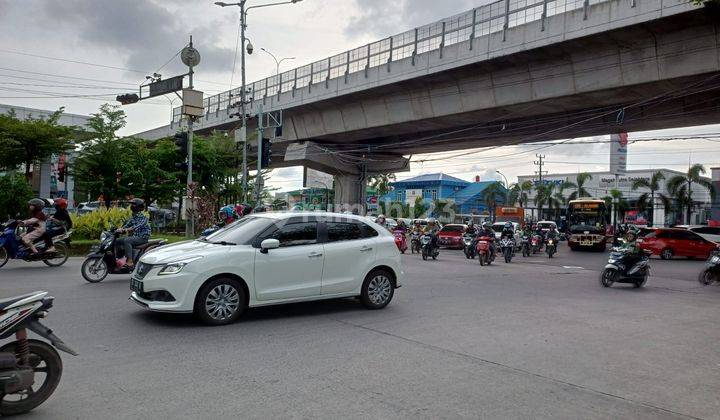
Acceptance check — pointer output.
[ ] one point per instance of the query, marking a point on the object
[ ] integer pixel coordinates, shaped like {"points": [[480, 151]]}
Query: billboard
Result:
{"points": [[618, 153]]}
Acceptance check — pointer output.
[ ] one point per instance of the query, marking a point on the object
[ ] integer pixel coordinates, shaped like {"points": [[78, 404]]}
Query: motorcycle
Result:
{"points": [[624, 267], [400, 241], [30, 370], [711, 273], [104, 261], [551, 247], [427, 249], [468, 247], [415, 242], [507, 247], [12, 248], [525, 245], [483, 250], [536, 243]]}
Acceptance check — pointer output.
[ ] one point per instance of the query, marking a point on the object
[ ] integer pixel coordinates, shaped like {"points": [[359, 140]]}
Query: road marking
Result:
{"points": [[572, 266]]}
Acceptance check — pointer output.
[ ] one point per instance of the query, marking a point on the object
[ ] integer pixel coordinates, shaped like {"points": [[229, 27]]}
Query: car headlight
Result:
{"points": [[177, 266]]}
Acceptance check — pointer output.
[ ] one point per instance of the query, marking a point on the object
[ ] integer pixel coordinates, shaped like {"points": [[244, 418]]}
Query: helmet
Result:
{"points": [[61, 203], [486, 225], [37, 204], [508, 225], [225, 212], [631, 234], [431, 220], [137, 205], [470, 222], [417, 222], [380, 218]]}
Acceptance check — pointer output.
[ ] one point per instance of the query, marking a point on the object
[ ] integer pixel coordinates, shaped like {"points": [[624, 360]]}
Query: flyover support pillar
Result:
{"points": [[350, 193]]}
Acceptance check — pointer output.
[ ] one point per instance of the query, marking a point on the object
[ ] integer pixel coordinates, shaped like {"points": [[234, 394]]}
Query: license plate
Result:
{"points": [[136, 285], [586, 243]]}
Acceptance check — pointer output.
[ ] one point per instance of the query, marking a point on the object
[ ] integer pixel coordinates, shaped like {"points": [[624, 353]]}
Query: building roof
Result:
{"points": [[437, 177], [470, 192], [24, 113]]}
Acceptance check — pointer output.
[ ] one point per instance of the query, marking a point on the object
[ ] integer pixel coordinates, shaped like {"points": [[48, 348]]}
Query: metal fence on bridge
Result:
{"points": [[481, 21]]}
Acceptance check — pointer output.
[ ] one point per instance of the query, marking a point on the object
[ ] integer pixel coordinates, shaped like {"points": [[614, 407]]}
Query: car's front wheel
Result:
{"points": [[377, 289], [220, 301]]}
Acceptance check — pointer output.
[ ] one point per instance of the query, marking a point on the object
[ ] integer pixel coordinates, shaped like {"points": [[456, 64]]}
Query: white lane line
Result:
{"points": [[572, 266]]}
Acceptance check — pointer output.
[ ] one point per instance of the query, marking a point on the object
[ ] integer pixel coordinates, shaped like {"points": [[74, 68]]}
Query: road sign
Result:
{"points": [[190, 56], [162, 87], [192, 103]]}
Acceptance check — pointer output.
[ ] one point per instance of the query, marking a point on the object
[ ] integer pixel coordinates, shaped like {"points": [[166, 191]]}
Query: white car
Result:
{"points": [[544, 225], [268, 259], [499, 226]]}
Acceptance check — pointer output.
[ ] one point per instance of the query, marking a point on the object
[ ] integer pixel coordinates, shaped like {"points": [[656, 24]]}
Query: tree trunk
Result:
{"points": [[27, 171], [651, 216]]}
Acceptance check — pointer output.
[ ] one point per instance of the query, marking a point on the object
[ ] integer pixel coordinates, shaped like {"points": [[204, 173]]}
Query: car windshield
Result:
{"points": [[498, 228], [545, 225], [453, 228], [241, 232]]}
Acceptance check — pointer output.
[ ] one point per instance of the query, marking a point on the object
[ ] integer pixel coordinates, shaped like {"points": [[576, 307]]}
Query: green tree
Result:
{"points": [[381, 183], [579, 186], [680, 187], [646, 201], [419, 208], [32, 140], [14, 195], [492, 195], [519, 194]]}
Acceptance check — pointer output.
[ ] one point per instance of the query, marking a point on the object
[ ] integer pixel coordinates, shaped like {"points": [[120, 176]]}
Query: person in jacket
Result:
{"points": [[138, 230], [35, 224], [61, 219]]}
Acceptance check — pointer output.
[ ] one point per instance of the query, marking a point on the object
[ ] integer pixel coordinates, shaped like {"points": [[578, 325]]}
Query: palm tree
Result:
{"points": [[492, 194], [518, 193], [647, 200], [579, 186], [680, 187]]}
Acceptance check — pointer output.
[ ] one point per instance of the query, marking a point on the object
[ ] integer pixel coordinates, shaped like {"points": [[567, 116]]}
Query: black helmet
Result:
{"points": [[37, 203], [137, 205], [508, 225]]}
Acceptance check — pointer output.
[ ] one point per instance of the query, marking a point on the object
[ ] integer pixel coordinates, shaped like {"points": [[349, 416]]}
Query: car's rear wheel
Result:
{"points": [[220, 301], [377, 290], [667, 254], [4, 256]]}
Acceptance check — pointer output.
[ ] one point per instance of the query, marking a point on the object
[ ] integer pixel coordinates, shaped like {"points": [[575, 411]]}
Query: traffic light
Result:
{"points": [[181, 143], [128, 98], [266, 153]]}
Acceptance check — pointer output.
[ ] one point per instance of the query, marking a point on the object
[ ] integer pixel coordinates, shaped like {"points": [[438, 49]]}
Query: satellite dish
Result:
{"points": [[190, 56]]}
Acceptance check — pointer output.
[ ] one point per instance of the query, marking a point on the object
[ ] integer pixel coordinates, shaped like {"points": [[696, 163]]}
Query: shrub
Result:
{"points": [[91, 225], [14, 195]]}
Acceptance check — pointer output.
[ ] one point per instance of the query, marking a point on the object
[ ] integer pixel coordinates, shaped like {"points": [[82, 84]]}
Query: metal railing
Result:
{"points": [[481, 21]]}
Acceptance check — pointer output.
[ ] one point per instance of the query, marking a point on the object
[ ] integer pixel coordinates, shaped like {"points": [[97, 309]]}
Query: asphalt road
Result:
{"points": [[536, 338]]}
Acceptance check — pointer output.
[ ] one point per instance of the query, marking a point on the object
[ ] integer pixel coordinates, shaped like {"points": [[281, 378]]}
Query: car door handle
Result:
{"points": [[315, 255], [365, 249]]}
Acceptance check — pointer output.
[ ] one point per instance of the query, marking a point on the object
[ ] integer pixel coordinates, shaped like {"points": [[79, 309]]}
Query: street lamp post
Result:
{"points": [[243, 25], [277, 62], [507, 184]]}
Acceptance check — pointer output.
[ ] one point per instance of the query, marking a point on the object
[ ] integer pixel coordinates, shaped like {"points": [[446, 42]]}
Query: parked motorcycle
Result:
{"points": [[626, 267], [536, 242], [507, 247], [415, 242], [551, 247], [104, 261], [400, 241], [468, 246], [12, 248], [483, 250], [711, 273], [427, 248], [525, 245], [30, 370]]}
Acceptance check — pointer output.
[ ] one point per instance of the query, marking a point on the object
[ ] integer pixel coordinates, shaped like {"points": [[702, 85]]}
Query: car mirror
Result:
{"points": [[269, 244]]}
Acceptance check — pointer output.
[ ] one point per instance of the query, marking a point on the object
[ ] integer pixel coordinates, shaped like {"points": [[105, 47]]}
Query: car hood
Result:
{"points": [[182, 250]]}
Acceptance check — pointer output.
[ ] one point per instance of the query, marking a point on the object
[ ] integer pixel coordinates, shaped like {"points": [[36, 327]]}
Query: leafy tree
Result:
{"points": [[381, 183], [494, 194], [646, 201], [519, 194], [14, 195], [621, 204], [680, 187], [419, 208], [579, 186], [33, 140]]}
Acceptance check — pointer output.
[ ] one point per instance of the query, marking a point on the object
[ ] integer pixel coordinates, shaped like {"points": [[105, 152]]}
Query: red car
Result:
{"points": [[668, 243], [451, 236]]}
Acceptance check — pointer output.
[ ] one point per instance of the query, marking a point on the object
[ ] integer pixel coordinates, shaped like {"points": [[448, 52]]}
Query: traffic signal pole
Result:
{"points": [[190, 221], [258, 178]]}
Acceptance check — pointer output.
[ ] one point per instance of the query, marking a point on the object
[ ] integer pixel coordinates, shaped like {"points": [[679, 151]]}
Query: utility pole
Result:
{"points": [[190, 222], [258, 178], [540, 163]]}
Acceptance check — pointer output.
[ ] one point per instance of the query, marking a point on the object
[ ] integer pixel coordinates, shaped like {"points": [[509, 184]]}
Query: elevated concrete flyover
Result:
{"points": [[505, 73]]}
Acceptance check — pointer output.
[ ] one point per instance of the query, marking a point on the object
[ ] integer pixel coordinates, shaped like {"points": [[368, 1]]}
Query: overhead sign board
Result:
{"points": [[618, 153], [162, 87]]}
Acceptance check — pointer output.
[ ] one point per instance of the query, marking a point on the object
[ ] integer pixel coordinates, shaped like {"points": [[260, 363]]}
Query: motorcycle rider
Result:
{"points": [[432, 230], [226, 215], [487, 231], [36, 223], [380, 220], [61, 217], [139, 226], [471, 229], [508, 231], [553, 234]]}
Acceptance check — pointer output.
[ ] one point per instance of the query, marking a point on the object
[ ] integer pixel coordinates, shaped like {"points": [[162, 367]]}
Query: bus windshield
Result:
{"points": [[587, 216]]}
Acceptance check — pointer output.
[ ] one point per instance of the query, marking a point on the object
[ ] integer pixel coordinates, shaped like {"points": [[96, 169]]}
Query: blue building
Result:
{"points": [[467, 196]]}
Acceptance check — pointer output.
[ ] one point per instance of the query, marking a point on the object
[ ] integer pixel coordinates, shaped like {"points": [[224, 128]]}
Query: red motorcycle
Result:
{"points": [[483, 247], [536, 243], [400, 240]]}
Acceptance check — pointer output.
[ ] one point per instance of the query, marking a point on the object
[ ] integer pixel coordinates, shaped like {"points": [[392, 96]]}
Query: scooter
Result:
{"points": [[415, 242], [468, 246], [711, 273], [551, 247], [104, 261], [507, 247], [484, 253], [537, 243], [427, 249], [624, 267], [400, 241], [525, 245], [30, 370], [12, 248]]}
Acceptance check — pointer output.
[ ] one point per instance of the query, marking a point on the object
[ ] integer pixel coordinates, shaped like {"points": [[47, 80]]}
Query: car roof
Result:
{"points": [[547, 221], [282, 215]]}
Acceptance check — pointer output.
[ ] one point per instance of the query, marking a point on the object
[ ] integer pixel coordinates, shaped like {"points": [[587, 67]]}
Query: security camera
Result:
{"points": [[250, 48]]}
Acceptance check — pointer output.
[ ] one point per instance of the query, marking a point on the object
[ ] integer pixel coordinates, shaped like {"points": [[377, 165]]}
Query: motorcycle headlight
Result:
{"points": [[177, 266]]}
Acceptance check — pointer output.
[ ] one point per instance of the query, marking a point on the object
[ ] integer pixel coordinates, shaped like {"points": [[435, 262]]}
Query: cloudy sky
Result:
{"points": [[78, 53]]}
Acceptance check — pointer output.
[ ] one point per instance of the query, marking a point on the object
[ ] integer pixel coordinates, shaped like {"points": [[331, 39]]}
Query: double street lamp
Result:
{"points": [[277, 62], [243, 88]]}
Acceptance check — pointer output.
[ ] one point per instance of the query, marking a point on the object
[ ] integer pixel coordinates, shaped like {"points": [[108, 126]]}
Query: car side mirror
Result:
{"points": [[268, 244]]}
